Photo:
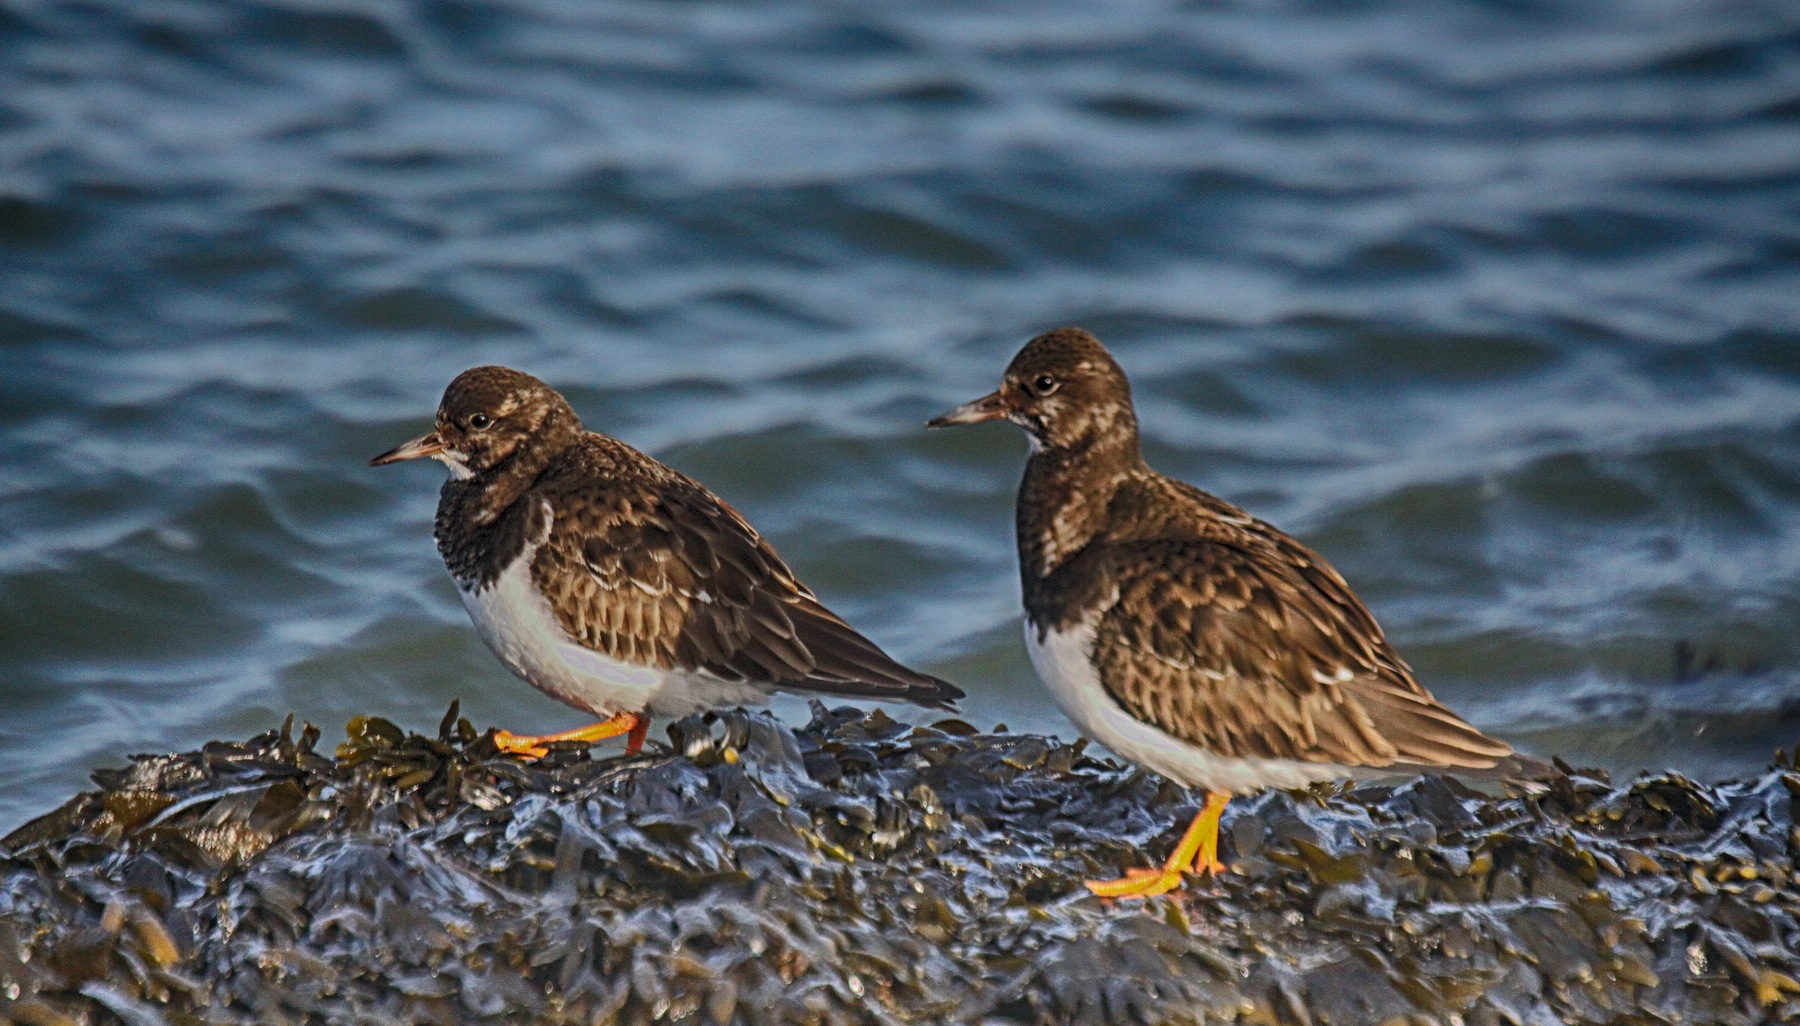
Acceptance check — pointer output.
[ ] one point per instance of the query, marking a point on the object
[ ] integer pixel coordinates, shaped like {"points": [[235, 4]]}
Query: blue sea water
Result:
{"points": [[1496, 303]]}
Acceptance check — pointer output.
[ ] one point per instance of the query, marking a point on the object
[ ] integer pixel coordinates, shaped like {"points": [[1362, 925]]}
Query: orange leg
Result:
{"points": [[634, 741], [1198, 852], [633, 725]]}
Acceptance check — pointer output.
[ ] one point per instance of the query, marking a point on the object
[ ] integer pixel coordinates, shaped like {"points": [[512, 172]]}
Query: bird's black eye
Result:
{"points": [[481, 422], [1044, 384]]}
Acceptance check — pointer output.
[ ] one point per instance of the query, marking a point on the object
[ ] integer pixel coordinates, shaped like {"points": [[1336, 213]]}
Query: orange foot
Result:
{"points": [[635, 726], [1198, 852]]}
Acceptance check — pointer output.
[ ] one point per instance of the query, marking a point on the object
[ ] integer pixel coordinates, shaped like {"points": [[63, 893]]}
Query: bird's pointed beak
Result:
{"points": [[418, 448], [989, 407]]}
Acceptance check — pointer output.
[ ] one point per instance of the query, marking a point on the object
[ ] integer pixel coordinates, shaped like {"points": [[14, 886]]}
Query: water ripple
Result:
{"points": [[1491, 302]]}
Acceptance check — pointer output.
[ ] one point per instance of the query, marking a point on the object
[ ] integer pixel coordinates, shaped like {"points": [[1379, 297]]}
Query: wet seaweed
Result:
{"points": [[858, 870]]}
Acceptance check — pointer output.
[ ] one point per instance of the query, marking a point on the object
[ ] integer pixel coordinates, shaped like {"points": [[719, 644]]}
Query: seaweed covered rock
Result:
{"points": [[862, 871]]}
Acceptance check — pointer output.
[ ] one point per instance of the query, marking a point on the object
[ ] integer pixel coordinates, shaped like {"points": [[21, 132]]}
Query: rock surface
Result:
{"points": [[861, 871]]}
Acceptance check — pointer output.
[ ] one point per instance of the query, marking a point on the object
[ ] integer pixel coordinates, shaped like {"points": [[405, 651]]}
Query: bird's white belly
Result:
{"points": [[519, 626], [1062, 663]]}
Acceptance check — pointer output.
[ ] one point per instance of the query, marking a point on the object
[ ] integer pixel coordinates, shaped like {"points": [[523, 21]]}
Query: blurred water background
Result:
{"points": [[1494, 302]]}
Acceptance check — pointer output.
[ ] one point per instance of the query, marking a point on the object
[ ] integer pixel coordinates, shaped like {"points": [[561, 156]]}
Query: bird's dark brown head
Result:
{"points": [[489, 415], [1065, 390]]}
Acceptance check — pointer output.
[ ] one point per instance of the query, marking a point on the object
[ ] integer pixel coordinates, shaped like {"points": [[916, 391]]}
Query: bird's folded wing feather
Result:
{"points": [[1248, 656], [680, 578]]}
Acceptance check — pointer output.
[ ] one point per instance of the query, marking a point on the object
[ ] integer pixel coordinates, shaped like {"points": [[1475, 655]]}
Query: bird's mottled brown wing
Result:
{"points": [[674, 577], [1267, 654]]}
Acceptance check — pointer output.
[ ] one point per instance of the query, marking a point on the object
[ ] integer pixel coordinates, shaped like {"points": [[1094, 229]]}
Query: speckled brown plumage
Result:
{"points": [[638, 562], [646, 565], [1210, 624], [1247, 644]]}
